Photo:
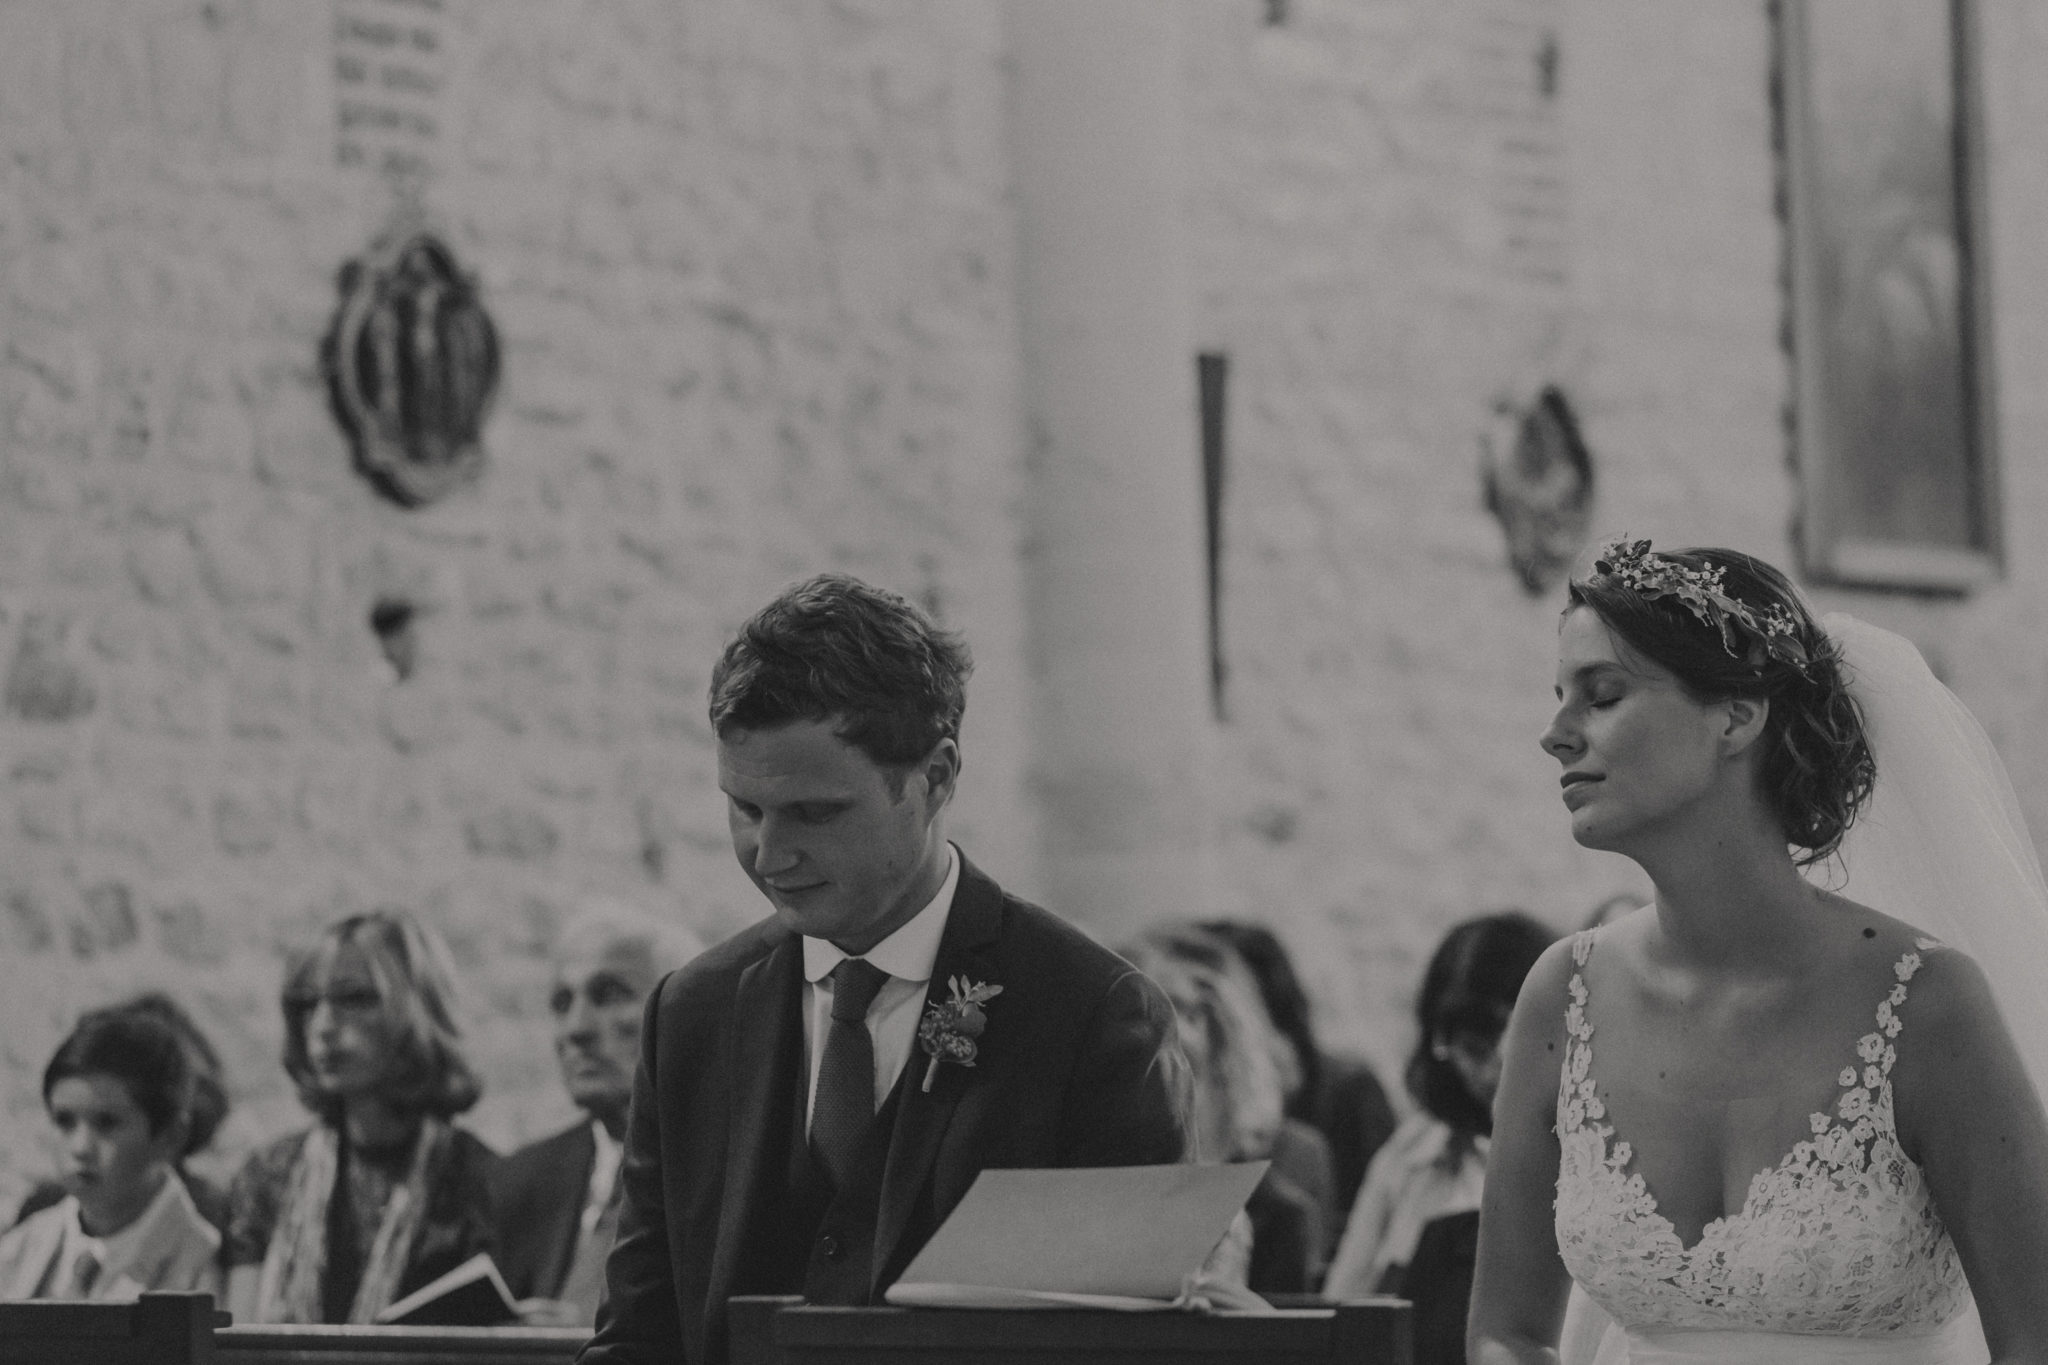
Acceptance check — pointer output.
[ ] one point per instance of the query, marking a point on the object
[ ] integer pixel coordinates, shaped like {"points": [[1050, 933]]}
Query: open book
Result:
{"points": [[1126, 1237], [473, 1294]]}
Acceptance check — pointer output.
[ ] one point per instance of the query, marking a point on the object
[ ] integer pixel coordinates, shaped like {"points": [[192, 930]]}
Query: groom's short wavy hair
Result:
{"points": [[1817, 768], [833, 648]]}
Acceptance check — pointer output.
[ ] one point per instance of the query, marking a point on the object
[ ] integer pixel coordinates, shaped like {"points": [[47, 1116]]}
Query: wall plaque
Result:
{"points": [[411, 363], [1536, 477]]}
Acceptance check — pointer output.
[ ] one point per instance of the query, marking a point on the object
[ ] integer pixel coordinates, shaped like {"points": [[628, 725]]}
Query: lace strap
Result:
{"points": [[1579, 1029], [1576, 1101], [1865, 1089], [1576, 1024]]}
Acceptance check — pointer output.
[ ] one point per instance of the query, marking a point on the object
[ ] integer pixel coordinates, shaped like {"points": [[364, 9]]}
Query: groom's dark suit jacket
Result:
{"points": [[721, 1195]]}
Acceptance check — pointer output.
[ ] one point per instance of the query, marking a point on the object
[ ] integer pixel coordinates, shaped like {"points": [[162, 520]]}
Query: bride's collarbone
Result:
{"points": [[1722, 1046], [1833, 980], [1712, 1079]]}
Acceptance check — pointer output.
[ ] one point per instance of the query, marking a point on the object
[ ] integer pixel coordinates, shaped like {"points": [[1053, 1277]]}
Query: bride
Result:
{"points": [[1759, 1120]]}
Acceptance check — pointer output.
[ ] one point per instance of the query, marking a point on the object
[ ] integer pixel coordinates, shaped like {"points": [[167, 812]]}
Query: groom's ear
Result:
{"points": [[941, 771], [1745, 723]]}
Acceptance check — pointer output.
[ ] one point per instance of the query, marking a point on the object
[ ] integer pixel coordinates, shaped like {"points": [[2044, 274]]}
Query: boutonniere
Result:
{"points": [[950, 1026]]}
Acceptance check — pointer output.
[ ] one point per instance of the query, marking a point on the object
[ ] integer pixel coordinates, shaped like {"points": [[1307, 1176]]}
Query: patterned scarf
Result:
{"points": [[295, 1262]]}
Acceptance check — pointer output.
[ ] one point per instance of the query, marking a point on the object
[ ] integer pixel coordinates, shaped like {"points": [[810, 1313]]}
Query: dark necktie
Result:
{"points": [[846, 1078], [85, 1273]]}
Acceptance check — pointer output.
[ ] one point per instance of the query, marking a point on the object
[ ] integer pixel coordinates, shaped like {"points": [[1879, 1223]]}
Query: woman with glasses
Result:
{"points": [[1426, 1182], [381, 1195]]}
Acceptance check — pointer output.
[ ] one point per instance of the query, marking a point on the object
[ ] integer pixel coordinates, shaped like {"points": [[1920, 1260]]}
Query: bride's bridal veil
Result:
{"points": [[1942, 843]]}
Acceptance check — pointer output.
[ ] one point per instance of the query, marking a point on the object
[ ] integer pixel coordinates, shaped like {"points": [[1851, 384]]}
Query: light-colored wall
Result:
{"points": [[751, 268], [1383, 216], [1116, 599]]}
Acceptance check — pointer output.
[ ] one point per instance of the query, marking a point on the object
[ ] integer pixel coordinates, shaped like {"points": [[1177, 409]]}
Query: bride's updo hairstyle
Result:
{"points": [[1817, 767]]}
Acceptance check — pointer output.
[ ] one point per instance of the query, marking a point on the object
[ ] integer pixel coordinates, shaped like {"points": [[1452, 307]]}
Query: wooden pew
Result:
{"points": [[782, 1331], [156, 1329], [186, 1329], [270, 1344]]}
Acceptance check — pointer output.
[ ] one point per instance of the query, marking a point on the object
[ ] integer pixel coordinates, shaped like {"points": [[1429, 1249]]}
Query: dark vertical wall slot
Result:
{"points": [[393, 620], [1546, 66], [1212, 370]]}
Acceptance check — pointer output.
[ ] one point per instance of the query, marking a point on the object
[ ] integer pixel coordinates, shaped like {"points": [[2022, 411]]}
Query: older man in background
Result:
{"points": [[557, 1199]]}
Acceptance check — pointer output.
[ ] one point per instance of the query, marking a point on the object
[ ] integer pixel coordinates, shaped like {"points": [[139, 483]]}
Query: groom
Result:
{"points": [[790, 1131]]}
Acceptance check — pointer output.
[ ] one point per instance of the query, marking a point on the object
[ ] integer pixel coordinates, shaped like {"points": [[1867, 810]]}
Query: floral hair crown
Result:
{"points": [[1652, 576]]}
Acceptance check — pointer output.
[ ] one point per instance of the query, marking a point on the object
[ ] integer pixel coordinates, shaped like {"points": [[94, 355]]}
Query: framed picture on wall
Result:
{"points": [[1893, 432]]}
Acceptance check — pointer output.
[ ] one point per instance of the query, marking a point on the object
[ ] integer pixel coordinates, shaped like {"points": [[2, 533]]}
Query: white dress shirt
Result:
{"points": [[1406, 1187], [168, 1247], [79, 1244], [907, 956], [604, 1172]]}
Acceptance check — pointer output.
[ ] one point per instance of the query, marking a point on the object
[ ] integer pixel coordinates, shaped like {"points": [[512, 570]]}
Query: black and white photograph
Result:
{"points": [[1042, 682]]}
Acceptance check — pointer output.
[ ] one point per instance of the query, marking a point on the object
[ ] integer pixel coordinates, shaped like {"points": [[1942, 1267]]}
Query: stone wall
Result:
{"points": [[749, 263]]}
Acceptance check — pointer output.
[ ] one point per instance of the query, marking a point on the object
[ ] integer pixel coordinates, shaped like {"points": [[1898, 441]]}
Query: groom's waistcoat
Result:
{"points": [[814, 1239]]}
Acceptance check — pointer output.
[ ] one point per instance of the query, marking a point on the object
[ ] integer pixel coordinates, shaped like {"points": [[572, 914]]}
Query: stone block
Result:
{"points": [[106, 921], [519, 833], [247, 820], [25, 924], [44, 683]]}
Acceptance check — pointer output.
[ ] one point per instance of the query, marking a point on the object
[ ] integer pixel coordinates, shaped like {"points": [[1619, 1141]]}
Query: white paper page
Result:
{"points": [[1128, 1231]]}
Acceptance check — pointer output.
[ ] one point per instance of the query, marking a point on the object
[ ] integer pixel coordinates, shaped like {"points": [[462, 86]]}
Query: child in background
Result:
{"points": [[120, 1092]]}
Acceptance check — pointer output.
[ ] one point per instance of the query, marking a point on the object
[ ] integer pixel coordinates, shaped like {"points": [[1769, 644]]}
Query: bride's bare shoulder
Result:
{"points": [[1947, 988], [1876, 932], [1540, 1005]]}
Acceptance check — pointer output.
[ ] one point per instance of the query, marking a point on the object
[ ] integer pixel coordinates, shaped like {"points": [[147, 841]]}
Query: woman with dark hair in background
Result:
{"points": [[1425, 1184], [1758, 1120], [382, 1194], [1336, 1094], [120, 1091]]}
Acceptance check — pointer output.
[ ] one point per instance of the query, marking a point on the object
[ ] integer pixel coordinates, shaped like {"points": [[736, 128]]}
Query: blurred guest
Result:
{"points": [[120, 1091], [1299, 1153], [1422, 1190], [1238, 1096], [1335, 1093], [558, 1199], [382, 1194], [209, 1109]]}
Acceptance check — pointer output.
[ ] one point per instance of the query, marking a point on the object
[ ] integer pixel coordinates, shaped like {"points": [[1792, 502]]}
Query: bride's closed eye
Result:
{"points": [[1595, 701]]}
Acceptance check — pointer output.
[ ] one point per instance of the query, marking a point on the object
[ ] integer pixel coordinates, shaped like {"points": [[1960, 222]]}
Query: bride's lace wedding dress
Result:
{"points": [[1837, 1253]]}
